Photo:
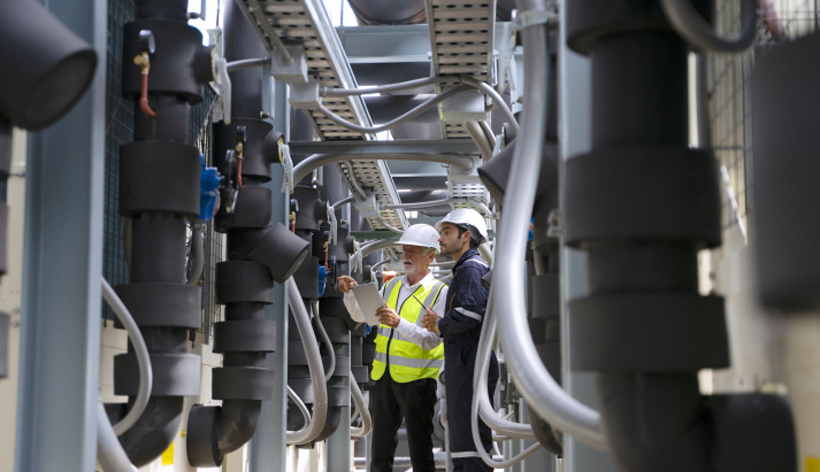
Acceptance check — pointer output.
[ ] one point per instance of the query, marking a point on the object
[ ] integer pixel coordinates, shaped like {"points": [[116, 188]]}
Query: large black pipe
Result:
{"points": [[159, 191], [642, 204], [258, 254]]}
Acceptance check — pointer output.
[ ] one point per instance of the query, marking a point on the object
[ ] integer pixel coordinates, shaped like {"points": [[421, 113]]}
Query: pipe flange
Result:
{"points": [[648, 332], [245, 336], [201, 440], [643, 193], [242, 383], [590, 20]]}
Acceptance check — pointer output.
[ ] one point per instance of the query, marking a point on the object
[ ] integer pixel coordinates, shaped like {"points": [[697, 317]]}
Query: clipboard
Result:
{"points": [[369, 300]]}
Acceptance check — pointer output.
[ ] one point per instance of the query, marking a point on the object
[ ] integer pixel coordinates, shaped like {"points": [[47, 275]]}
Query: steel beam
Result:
{"points": [[60, 322], [268, 446]]}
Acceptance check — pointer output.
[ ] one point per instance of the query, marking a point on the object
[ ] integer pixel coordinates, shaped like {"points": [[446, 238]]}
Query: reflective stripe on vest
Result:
{"points": [[407, 360]]}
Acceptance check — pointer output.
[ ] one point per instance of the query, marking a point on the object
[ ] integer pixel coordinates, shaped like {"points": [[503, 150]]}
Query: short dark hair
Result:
{"points": [[475, 236]]}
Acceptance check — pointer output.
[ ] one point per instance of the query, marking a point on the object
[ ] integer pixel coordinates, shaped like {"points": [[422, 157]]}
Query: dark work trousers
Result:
{"points": [[390, 402], [459, 365]]}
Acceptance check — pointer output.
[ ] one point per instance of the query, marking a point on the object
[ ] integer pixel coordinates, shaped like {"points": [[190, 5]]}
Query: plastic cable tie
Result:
{"points": [[531, 18]]}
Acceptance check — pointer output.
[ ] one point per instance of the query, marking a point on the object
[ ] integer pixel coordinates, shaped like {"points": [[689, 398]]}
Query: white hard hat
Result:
{"points": [[420, 235], [465, 216]]}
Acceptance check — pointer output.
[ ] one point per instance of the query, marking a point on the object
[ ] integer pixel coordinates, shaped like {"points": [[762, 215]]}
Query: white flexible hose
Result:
{"points": [[143, 358], [312, 429], [542, 392], [395, 121], [361, 407], [299, 404], [110, 455], [688, 23]]}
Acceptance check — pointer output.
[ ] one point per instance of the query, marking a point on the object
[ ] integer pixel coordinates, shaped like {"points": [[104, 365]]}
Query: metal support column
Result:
{"points": [[575, 94], [268, 444], [60, 323], [337, 453]]}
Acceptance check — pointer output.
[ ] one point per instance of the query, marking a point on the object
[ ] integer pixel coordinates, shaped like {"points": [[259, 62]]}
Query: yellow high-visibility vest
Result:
{"points": [[407, 360]]}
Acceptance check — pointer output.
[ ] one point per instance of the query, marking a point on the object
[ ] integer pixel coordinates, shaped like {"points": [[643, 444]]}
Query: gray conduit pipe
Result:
{"points": [[542, 393], [370, 248], [688, 23], [434, 203], [486, 252], [304, 168], [247, 63], [497, 98], [317, 323], [361, 407], [312, 429], [395, 121], [352, 178], [341, 202], [455, 80], [110, 455], [387, 225], [488, 132], [481, 400], [480, 139], [409, 84], [376, 266], [143, 360], [299, 404]]}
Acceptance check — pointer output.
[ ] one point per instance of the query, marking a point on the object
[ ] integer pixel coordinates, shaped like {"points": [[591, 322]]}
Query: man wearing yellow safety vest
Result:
{"points": [[408, 357]]}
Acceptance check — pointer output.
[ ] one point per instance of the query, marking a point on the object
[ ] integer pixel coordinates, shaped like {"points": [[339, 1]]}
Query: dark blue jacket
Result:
{"points": [[466, 300]]}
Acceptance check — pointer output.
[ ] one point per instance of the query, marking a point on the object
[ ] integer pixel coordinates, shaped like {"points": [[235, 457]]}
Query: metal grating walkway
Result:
{"points": [[306, 22]]}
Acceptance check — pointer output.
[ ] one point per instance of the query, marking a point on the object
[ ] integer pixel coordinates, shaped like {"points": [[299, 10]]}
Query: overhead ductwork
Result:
{"points": [[389, 12]]}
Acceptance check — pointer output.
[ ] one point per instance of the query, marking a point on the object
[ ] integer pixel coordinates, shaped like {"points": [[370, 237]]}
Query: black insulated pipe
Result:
{"points": [[259, 253], [159, 190], [642, 204]]}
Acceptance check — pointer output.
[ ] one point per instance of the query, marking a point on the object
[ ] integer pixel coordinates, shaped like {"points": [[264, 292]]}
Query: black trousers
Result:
{"points": [[459, 366], [391, 401]]}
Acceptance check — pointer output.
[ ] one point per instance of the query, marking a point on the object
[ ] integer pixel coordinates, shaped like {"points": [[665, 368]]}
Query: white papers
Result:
{"points": [[369, 300]]}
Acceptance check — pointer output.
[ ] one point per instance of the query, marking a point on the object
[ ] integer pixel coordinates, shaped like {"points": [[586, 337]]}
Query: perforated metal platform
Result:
{"points": [[461, 42], [306, 22], [462, 38]]}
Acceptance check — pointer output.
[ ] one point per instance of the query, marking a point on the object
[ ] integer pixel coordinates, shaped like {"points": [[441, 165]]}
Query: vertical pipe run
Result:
{"points": [[644, 305], [258, 254], [159, 191]]}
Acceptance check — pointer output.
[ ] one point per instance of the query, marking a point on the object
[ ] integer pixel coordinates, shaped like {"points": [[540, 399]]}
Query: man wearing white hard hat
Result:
{"points": [[408, 357], [462, 231]]}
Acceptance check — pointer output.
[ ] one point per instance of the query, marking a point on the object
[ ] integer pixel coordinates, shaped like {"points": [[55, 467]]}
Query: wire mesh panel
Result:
{"points": [[119, 120], [730, 112], [201, 127]]}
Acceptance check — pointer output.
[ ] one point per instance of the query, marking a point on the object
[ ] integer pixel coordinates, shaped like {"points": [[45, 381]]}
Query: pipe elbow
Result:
{"points": [[214, 431], [237, 423], [154, 431]]}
